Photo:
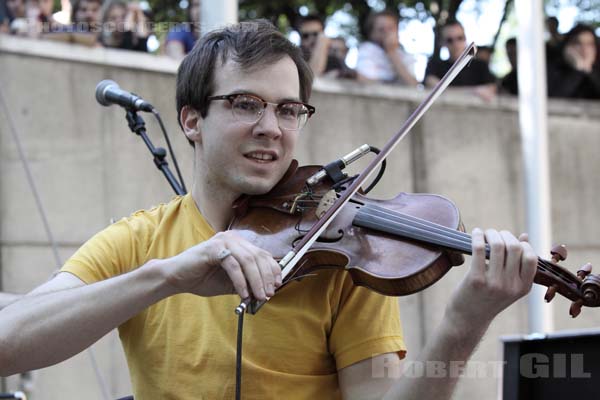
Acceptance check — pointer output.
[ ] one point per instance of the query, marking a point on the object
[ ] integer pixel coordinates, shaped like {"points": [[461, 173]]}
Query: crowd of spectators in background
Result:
{"points": [[573, 67]]}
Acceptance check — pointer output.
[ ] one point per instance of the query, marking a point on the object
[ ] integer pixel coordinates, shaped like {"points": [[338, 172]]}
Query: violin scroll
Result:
{"points": [[590, 289], [582, 288]]}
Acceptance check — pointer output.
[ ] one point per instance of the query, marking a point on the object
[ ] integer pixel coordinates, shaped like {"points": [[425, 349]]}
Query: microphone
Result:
{"points": [[334, 169], [108, 92]]}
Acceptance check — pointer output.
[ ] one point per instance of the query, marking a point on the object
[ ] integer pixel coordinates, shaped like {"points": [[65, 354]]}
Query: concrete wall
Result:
{"points": [[89, 168]]}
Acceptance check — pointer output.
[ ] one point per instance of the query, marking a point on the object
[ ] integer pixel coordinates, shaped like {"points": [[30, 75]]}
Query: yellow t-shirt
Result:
{"points": [[184, 346]]}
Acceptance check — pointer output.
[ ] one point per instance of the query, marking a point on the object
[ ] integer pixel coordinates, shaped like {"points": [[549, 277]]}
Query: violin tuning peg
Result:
{"points": [[584, 271], [550, 293], [559, 253], [575, 309]]}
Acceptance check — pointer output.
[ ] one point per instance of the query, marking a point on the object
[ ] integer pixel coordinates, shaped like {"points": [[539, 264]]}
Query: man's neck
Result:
{"points": [[214, 205]]}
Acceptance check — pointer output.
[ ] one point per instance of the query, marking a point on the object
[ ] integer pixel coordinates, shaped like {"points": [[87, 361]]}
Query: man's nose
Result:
{"points": [[268, 124]]}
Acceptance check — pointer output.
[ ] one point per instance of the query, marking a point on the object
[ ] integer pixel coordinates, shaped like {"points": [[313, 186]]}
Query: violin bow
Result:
{"points": [[293, 257]]}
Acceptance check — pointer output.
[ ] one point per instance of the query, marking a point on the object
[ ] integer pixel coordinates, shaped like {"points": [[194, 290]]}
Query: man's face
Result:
{"points": [[384, 26], [309, 31], [454, 39], [16, 8], [232, 153], [585, 46], [88, 12]]}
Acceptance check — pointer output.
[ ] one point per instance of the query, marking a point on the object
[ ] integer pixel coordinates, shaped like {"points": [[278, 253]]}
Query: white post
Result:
{"points": [[531, 63], [217, 13]]}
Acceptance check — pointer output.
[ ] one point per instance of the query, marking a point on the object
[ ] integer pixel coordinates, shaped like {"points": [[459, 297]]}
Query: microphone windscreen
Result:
{"points": [[100, 89]]}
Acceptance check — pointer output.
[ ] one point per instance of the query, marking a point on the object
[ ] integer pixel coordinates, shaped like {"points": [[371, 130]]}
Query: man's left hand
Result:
{"points": [[491, 286]]}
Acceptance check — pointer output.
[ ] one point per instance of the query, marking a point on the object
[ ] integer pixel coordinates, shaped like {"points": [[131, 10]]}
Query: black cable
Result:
{"points": [[238, 357], [164, 131], [379, 174]]}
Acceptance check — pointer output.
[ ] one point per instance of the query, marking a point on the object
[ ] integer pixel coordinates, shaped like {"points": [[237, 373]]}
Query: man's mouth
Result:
{"points": [[261, 156]]}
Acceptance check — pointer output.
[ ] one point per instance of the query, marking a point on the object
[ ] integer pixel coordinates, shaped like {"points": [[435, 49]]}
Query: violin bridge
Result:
{"points": [[326, 202]]}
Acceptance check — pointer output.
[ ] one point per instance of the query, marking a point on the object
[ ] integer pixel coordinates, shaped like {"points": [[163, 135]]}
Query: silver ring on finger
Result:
{"points": [[223, 254]]}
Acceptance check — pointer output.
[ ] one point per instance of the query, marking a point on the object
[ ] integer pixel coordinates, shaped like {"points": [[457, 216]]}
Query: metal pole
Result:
{"points": [[531, 64], [217, 13]]}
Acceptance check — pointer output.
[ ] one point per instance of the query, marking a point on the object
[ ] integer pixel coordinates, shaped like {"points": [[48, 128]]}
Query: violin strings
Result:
{"points": [[428, 231], [413, 229]]}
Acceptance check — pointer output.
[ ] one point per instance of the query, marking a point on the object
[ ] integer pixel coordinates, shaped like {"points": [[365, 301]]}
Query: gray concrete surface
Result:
{"points": [[89, 168]]}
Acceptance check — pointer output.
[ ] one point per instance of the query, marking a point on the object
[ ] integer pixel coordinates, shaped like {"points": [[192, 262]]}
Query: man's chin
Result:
{"points": [[257, 187]]}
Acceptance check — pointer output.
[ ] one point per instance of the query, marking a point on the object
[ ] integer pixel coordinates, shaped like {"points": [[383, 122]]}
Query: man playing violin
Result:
{"points": [[170, 277]]}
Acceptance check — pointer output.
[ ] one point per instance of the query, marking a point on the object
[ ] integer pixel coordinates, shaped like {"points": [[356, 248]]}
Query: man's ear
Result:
{"points": [[191, 121]]}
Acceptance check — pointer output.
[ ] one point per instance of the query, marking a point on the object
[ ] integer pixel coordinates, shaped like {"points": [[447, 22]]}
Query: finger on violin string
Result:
{"points": [[497, 253], [529, 261], [478, 263], [513, 252]]}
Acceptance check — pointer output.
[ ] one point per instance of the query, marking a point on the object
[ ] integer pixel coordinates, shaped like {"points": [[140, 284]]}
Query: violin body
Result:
{"points": [[374, 258]]}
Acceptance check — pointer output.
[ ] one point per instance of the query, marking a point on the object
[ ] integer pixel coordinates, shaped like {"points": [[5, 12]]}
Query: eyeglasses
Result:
{"points": [[306, 35], [451, 39], [249, 109]]}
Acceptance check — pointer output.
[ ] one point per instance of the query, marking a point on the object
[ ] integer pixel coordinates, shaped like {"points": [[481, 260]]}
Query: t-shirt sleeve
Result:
{"points": [[116, 250], [366, 64], [365, 324]]}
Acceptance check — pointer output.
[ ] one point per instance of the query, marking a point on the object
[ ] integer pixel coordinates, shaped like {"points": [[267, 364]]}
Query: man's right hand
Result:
{"points": [[245, 269]]}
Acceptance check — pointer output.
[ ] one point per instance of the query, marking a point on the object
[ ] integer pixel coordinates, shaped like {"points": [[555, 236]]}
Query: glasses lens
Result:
{"points": [[247, 109], [292, 116]]}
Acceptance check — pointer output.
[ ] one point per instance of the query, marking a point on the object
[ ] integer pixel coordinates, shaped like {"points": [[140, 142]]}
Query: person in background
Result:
{"points": [[382, 58], [87, 15], [325, 56], [4, 19], [15, 9], [510, 84], [124, 27], [336, 61], [181, 39], [484, 53], [313, 43], [476, 76], [36, 20], [554, 40], [576, 74]]}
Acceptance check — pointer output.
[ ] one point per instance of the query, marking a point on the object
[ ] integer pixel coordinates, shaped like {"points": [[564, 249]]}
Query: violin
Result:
{"points": [[395, 247]]}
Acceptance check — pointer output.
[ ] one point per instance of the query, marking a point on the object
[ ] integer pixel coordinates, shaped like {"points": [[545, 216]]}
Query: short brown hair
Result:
{"points": [[250, 44]]}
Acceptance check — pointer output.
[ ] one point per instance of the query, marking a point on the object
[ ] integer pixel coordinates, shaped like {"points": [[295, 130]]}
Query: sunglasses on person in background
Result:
{"points": [[451, 39], [249, 109], [306, 35]]}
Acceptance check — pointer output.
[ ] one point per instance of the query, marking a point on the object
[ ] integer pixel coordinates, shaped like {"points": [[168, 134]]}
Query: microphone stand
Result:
{"points": [[138, 126]]}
